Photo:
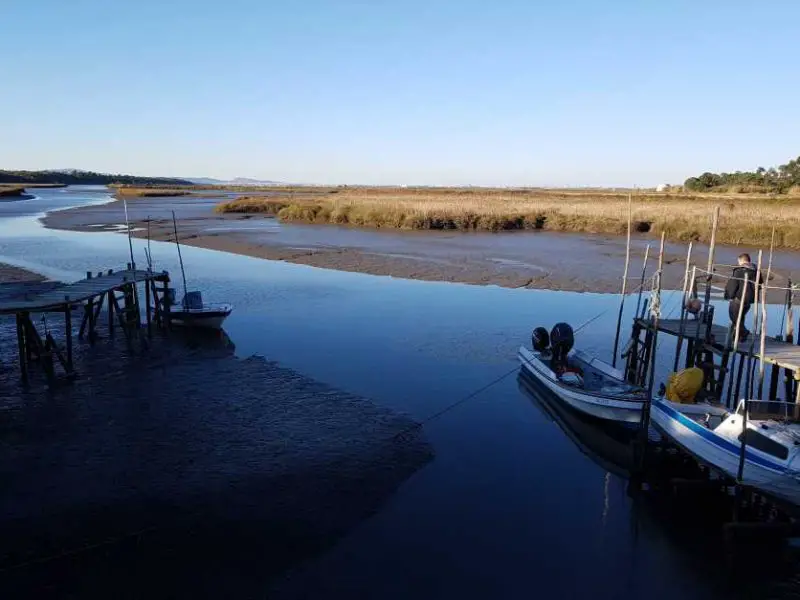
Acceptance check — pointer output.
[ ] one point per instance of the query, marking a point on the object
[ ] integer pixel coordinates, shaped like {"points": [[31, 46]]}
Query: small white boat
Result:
{"points": [[714, 436], [591, 386], [193, 312]]}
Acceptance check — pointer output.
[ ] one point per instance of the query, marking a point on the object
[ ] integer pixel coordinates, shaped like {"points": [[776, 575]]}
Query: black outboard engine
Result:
{"points": [[540, 339], [562, 339]]}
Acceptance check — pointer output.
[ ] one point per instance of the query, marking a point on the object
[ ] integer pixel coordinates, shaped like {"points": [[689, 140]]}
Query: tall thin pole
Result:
{"points": [[641, 284], [736, 336], [149, 252], [756, 319], [180, 257], [624, 280], [710, 268], [713, 242], [656, 316], [684, 299], [743, 447], [764, 286], [128, 227], [645, 421]]}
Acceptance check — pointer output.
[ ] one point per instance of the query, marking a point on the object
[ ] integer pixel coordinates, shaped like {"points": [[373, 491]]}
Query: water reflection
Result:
{"points": [[510, 506]]}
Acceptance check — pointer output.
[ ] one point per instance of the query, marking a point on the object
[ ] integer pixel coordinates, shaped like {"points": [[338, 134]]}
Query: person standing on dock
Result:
{"points": [[737, 294]]}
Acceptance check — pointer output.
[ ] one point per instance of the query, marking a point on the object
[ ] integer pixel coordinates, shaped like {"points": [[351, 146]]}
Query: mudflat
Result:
{"points": [[528, 259]]}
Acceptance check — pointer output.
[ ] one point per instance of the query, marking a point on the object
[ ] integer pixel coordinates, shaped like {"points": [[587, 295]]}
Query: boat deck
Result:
{"points": [[782, 354]]}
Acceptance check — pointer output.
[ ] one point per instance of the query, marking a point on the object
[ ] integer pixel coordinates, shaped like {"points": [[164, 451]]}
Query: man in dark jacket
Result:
{"points": [[741, 295]]}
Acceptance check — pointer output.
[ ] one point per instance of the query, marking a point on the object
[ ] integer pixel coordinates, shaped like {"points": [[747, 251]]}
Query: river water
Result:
{"points": [[509, 506]]}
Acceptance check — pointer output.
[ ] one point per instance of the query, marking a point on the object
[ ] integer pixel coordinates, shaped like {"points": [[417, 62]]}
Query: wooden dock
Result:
{"points": [[782, 354], [88, 297]]}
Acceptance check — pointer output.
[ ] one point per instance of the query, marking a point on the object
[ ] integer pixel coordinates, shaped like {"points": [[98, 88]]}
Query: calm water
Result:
{"points": [[510, 506]]}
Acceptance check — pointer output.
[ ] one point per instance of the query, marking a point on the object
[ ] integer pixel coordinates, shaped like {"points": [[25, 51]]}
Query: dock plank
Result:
{"points": [[78, 291]]}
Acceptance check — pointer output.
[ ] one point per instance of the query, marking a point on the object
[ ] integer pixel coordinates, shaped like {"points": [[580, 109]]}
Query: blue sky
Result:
{"points": [[615, 92]]}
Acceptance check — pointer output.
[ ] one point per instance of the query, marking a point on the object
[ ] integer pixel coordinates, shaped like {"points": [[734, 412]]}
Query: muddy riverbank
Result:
{"points": [[544, 260], [13, 274], [184, 471]]}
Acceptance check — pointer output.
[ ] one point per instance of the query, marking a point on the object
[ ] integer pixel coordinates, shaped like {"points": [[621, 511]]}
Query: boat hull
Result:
{"points": [[768, 476], [594, 405], [206, 318]]}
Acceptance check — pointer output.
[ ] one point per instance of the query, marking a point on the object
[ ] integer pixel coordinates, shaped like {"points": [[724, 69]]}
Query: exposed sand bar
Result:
{"points": [[546, 260]]}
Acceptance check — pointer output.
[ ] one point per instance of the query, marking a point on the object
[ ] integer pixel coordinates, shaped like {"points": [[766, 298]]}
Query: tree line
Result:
{"points": [[74, 177], [775, 179]]}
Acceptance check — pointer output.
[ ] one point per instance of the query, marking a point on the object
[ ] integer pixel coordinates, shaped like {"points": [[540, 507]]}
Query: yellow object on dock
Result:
{"points": [[683, 386]]}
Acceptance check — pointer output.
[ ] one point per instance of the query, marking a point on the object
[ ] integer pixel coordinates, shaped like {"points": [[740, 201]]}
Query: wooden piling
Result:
{"points": [[736, 336], [712, 244], [111, 302], [147, 307], [641, 283], [687, 287], [68, 332], [21, 343], [624, 281]]}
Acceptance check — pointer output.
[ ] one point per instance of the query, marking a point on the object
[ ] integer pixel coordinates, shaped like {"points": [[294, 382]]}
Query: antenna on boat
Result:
{"points": [[180, 257]]}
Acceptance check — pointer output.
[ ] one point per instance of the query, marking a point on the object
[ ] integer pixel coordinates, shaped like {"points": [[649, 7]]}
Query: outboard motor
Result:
{"points": [[540, 339], [562, 339]]}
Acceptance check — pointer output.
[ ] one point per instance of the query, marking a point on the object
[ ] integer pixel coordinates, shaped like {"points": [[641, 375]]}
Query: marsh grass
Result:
{"points": [[12, 190], [151, 192], [745, 219]]}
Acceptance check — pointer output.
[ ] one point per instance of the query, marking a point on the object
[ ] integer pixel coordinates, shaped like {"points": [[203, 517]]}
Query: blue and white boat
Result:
{"points": [[713, 435]]}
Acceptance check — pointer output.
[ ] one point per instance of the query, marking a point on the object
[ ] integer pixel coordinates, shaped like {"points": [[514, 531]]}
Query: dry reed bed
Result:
{"points": [[151, 192], [744, 219]]}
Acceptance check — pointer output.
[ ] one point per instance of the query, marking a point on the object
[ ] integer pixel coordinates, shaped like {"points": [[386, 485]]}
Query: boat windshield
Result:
{"points": [[775, 410]]}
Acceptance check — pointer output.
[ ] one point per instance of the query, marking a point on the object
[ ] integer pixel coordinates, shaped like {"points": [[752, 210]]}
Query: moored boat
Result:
{"points": [[714, 436], [193, 312], [586, 383]]}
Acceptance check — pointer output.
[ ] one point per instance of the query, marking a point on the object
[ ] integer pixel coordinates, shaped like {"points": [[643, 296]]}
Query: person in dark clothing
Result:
{"points": [[741, 295]]}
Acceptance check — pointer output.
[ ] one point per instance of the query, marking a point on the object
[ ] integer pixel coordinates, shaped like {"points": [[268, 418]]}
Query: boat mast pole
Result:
{"points": [[624, 281], [180, 257]]}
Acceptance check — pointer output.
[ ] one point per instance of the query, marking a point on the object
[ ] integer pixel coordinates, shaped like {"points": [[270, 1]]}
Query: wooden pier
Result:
{"points": [[119, 291]]}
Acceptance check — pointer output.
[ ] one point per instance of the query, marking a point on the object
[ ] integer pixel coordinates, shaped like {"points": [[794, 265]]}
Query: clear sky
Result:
{"points": [[564, 92]]}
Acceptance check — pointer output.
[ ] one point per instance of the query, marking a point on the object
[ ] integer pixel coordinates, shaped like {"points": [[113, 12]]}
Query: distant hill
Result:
{"points": [[235, 181], [76, 177]]}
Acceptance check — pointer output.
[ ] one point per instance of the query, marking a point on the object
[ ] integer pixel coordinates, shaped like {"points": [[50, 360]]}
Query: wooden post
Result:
{"points": [[764, 288], [624, 281], [23, 354], [91, 317], [656, 314], [687, 287], [111, 302], [736, 336], [147, 306], [756, 319], [68, 331], [788, 380], [641, 284], [712, 244]]}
